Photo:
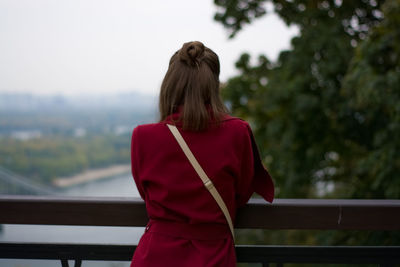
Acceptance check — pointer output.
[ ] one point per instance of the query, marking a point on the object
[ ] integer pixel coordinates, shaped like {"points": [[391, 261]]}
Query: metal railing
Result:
{"points": [[322, 214]]}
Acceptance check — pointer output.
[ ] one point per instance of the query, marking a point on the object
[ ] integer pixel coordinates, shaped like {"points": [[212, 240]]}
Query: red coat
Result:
{"points": [[187, 227]]}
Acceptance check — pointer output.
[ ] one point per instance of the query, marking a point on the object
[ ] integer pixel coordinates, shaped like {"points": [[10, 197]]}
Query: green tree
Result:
{"points": [[327, 112], [372, 111], [301, 116]]}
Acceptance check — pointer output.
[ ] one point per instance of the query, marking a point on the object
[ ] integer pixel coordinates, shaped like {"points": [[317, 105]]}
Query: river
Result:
{"points": [[119, 186]]}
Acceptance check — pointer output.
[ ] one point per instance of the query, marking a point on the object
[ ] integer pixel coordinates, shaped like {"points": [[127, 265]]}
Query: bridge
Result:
{"points": [[14, 184]]}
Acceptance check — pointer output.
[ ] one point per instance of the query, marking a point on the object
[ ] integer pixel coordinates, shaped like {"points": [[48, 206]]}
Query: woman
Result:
{"points": [[187, 226]]}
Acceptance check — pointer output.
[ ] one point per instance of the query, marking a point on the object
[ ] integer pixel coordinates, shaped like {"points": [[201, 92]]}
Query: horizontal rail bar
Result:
{"points": [[324, 214], [319, 254], [45, 251], [245, 253]]}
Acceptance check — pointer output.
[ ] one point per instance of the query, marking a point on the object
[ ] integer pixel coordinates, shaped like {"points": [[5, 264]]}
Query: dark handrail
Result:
{"points": [[245, 253], [282, 214], [324, 214]]}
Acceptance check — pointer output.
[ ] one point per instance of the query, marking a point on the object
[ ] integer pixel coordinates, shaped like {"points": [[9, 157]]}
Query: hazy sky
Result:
{"points": [[95, 46]]}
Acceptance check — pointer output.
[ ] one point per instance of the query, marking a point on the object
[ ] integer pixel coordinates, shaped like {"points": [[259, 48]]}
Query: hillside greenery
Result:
{"points": [[43, 159]]}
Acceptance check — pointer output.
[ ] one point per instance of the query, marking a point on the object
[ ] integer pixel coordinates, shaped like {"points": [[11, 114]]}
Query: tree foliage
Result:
{"points": [[372, 90], [326, 114], [311, 129]]}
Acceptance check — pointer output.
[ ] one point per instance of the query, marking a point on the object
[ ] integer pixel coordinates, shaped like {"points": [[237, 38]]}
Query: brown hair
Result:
{"points": [[192, 83]]}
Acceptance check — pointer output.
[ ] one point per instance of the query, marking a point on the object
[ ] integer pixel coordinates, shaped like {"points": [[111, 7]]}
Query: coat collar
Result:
{"points": [[176, 119]]}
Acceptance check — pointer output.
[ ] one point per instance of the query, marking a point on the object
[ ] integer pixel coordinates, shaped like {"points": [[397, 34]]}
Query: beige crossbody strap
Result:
{"points": [[203, 176]]}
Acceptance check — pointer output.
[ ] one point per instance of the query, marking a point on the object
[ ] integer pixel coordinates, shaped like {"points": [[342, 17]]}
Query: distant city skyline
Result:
{"points": [[101, 47]]}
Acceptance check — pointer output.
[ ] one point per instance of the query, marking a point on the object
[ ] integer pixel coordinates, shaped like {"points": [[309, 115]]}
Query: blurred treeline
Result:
{"points": [[326, 113], [43, 159]]}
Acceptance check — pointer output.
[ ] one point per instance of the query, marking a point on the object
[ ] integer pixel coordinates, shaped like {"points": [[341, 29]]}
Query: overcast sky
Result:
{"points": [[95, 46]]}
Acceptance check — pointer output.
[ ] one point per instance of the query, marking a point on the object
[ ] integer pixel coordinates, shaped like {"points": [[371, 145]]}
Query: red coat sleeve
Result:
{"points": [[254, 177], [135, 160], [262, 181]]}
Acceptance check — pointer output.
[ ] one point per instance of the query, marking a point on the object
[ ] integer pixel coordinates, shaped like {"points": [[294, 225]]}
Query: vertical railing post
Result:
{"points": [[64, 263]]}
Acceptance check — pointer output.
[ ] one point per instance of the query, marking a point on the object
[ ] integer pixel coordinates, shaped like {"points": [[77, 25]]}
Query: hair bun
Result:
{"points": [[191, 53]]}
